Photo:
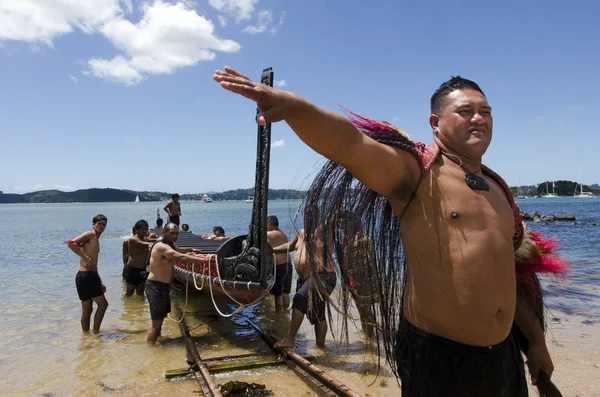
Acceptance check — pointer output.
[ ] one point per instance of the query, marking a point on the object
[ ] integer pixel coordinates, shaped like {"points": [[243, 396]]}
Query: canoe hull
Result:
{"points": [[222, 290]]}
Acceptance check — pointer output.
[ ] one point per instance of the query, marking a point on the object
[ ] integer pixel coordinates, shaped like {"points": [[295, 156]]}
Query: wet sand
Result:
{"points": [[118, 363]]}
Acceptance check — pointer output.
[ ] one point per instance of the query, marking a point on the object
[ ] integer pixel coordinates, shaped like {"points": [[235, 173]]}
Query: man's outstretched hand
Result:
{"points": [[273, 104]]}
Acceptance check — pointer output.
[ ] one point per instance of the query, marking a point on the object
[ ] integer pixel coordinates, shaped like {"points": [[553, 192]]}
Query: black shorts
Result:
{"points": [[307, 299], [134, 275], [89, 285], [174, 219], [430, 365], [283, 279], [159, 299]]}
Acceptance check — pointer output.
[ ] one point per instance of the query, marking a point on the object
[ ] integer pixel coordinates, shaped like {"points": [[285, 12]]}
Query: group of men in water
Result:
{"points": [[457, 312], [147, 270]]}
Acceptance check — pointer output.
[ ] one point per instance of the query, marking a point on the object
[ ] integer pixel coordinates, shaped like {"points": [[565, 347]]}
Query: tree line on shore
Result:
{"points": [[119, 195], [562, 188]]}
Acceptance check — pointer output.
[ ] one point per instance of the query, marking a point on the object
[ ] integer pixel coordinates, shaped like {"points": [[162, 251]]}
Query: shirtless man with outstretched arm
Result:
{"points": [[158, 285], [461, 281], [89, 285]]}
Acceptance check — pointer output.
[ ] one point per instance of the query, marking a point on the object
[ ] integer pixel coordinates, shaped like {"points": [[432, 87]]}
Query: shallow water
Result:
{"points": [[42, 350]]}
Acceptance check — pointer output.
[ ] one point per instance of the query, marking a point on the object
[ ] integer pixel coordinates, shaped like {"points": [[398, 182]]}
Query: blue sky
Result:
{"points": [[109, 93]]}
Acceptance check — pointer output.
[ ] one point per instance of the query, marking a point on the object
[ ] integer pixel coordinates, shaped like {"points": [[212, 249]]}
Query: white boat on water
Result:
{"points": [[581, 193], [206, 199], [137, 199], [548, 194], [250, 200]]}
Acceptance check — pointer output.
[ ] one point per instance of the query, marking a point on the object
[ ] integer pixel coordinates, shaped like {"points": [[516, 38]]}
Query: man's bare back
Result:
{"points": [[301, 262], [276, 238], [457, 250]]}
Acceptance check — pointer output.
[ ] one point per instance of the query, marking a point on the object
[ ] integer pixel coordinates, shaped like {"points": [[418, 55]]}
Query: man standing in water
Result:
{"points": [[283, 282], [87, 280], [459, 229], [307, 300], [135, 269], [162, 255], [173, 210]]}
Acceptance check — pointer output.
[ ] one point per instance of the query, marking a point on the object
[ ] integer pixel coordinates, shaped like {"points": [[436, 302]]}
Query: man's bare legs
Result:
{"points": [[320, 333], [367, 319], [86, 312], [286, 301], [154, 331], [130, 289], [139, 289], [290, 338], [100, 310], [279, 307]]}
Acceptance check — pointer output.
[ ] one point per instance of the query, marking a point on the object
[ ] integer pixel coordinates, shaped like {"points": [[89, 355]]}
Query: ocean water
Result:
{"points": [[42, 349]]}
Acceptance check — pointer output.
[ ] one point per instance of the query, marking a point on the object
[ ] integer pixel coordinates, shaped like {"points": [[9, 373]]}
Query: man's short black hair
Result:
{"points": [[98, 218], [273, 221], [454, 84], [140, 224], [218, 229], [175, 196]]}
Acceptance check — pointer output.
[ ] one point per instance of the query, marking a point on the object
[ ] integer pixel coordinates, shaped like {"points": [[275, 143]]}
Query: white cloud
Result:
{"points": [[39, 186], [241, 10], [281, 19], [73, 79], [222, 20], [280, 143], [168, 37], [63, 187], [43, 20], [280, 83], [170, 34], [264, 20]]}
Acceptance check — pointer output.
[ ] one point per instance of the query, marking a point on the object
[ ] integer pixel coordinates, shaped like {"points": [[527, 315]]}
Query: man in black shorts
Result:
{"points": [[173, 210], [308, 301], [89, 285], [135, 269], [284, 270], [162, 255]]}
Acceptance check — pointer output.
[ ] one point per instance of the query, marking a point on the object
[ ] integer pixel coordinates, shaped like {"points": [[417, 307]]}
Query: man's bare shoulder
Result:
{"points": [[276, 234], [87, 237], [161, 249], [138, 241]]}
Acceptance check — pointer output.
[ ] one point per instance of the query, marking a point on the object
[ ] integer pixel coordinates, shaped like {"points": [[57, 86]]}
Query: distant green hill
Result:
{"points": [[119, 195], [562, 188]]}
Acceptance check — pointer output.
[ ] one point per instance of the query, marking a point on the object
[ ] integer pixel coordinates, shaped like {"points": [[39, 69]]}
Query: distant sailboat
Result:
{"points": [[137, 198], [581, 193], [548, 194]]}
